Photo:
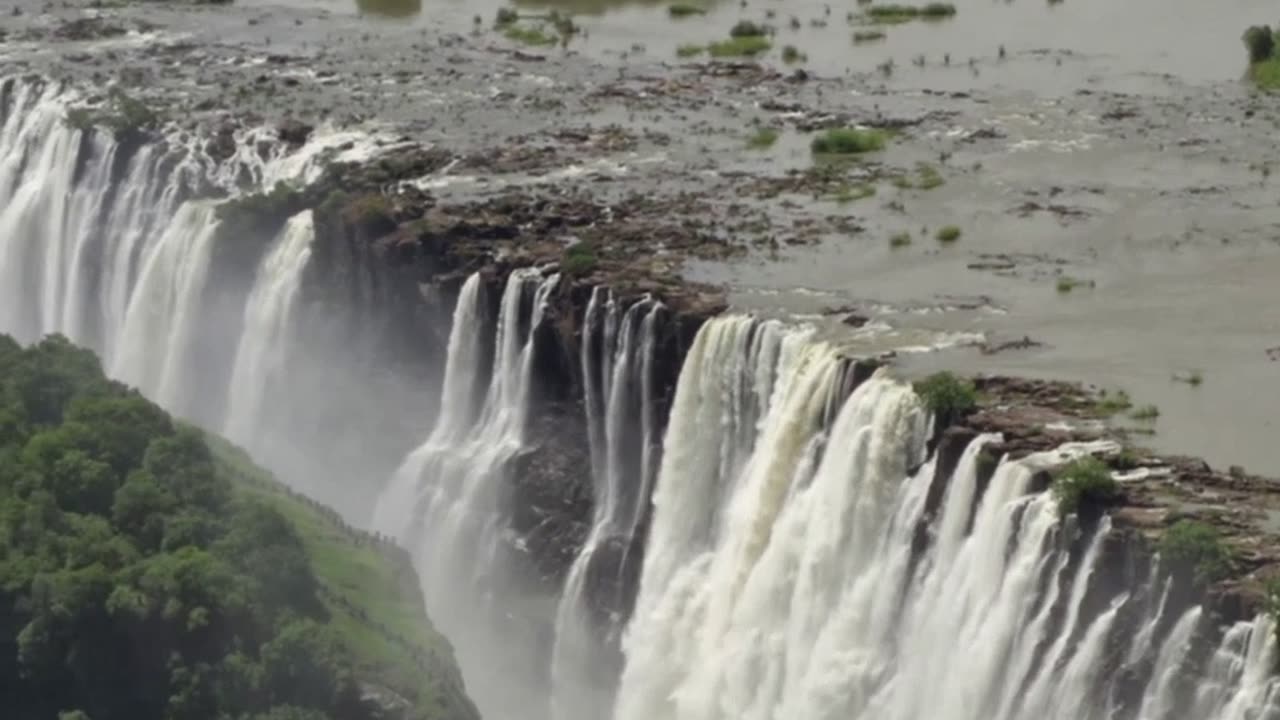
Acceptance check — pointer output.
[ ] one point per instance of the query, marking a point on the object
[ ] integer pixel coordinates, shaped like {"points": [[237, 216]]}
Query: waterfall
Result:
{"points": [[113, 242], [446, 500], [261, 359], [617, 369], [783, 578]]}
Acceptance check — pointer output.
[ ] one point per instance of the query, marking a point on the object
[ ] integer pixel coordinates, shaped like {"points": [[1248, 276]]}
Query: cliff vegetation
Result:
{"points": [[148, 571]]}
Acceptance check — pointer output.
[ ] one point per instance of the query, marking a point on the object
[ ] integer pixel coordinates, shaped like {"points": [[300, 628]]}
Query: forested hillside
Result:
{"points": [[145, 574]]}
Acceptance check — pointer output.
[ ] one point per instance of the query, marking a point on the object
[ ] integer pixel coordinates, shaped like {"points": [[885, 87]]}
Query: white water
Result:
{"points": [[617, 367], [262, 356], [106, 249], [446, 500], [780, 580]]}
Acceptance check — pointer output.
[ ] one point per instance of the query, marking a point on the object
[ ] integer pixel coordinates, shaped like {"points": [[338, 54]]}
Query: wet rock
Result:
{"points": [[293, 131], [89, 28]]}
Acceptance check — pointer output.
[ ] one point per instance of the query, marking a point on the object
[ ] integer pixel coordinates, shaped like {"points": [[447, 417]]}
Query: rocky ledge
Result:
{"points": [[1234, 515]]}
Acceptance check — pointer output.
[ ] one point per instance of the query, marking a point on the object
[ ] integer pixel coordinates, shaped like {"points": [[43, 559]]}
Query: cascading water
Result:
{"points": [[446, 500], [782, 577], [617, 367], [261, 358], [105, 240]]}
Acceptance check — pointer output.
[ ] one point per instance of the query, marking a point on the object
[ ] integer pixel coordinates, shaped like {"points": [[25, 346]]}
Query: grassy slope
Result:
{"points": [[1266, 74], [372, 595]]}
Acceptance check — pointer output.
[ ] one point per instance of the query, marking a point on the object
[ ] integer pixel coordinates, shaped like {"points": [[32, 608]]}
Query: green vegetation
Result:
{"points": [[529, 36], [894, 14], [578, 259], [792, 55], [369, 209], [680, 10], [866, 36], [927, 178], [746, 46], [1264, 60], [1193, 378], [685, 51], [146, 576], [852, 193], [1146, 412], [948, 234], [947, 396], [849, 141], [763, 138], [899, 240], [1067, 283], [746, 28], [1196, 547], [561, 29], [1109, 404], [1083, 483], [121, 114]]}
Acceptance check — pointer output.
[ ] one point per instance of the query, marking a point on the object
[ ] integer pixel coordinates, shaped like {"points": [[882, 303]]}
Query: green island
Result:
{"points": [[153, 571]]}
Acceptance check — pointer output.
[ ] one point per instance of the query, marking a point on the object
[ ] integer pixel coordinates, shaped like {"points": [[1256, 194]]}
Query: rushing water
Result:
{"points": [[106, 242], [804, 557], [617, 356]]}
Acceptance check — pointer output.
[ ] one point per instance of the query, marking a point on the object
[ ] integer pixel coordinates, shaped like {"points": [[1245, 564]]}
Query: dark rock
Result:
{"points": [[294, 132]]}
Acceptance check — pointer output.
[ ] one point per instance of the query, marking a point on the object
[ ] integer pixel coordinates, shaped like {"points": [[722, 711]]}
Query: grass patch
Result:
{"points": [[852, 193], [1196, 547], [948, 234], [746, 28], [929, 177], [369, 588], [1146, 412], [1266, 74], [534, 36], [791, 55], [682, 10], [763, 138], [747, 46], [1084, 483], [866, 36], [1066, 284], [894, 14], [1112, 403], [849, 141], [686, 51], [1264, 59], [900, 240], [1193, 378], [579, 259], [947, 396]]}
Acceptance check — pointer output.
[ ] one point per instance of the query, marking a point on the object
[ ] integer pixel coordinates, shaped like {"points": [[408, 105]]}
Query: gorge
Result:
{"points": [[625, 496]]}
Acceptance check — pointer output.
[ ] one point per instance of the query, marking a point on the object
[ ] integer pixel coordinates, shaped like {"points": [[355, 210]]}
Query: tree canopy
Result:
{"points": [[134, 583]]}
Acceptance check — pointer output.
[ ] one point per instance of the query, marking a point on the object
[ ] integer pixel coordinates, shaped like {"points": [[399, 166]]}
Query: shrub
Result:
{"points": [[866, 36], [739, 47], [1260, 42], [946, 395], [746, 28], [901, 239], [763, 138], [1196, 546], [529, 36], [1082, 483], [679, 10], [505, 17], [792, 55], [579, 259], [948, 234], [848, 141]]}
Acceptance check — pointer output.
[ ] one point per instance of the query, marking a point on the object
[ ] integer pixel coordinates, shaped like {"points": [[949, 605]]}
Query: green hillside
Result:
{"points": [[150, 571]]}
